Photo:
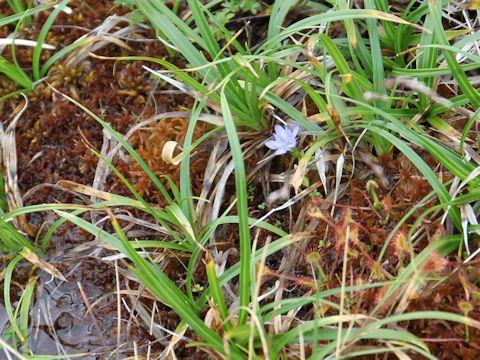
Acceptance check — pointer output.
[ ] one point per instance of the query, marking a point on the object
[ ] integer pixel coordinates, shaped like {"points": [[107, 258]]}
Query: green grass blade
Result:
{"points": [[427, 59], [292, 112], [16, 5], [24, 303], [421, 73], [277, 17], [242, 209], [364, 55], [377, 59], [12, 238], [234, 270], [467, 128], [159, 215], [24, 14], [154, 9], [61, 53], [321, 19], [185, 181], [42, 36], [159, 284], [458, 74], [7, 285], [352, 88], [211, 45], [15, 73], [216, 291], [164, 20]]}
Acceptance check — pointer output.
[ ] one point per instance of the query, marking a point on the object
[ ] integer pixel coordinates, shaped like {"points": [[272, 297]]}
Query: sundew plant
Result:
{"points": [[341, 192]]}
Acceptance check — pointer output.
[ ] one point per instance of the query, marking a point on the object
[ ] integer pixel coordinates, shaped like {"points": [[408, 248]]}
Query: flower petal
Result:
{"points": [[274, 144], [281, 151], [281, 134], [289, 134], [284, 139], [295, 131]]}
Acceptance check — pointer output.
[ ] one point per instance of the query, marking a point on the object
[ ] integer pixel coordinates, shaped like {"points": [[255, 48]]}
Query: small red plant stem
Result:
{"points": [[89, 311]]}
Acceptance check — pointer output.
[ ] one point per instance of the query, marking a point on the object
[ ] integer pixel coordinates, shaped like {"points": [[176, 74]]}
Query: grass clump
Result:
{"points": [[358, 92]]}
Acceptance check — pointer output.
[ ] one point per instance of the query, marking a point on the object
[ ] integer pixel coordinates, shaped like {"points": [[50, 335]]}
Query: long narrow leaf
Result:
{"points": [[43, 35], [462, 80], [242, 207]]}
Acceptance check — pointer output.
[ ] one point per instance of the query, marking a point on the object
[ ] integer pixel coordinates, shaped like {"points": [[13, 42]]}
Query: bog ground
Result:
{"points": [[239, 179]]}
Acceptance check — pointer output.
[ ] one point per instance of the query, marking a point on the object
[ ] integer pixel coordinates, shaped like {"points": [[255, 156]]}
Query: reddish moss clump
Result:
{"points": [[149, 144]]}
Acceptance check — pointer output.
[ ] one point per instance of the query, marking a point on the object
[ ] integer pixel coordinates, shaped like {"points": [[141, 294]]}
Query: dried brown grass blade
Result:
{"points": [[119, 311], [140, 313], [12, 350], [98, 38], [393, 18], [9, 157], [288, 87], [85, 190], [42, 264]]}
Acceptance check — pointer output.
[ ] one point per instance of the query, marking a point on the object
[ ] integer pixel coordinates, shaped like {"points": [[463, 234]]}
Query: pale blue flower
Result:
{"points": [[285, 139]]}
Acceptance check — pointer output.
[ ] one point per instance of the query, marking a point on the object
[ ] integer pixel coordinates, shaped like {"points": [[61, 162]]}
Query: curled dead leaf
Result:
{"points": [[167, 153]]}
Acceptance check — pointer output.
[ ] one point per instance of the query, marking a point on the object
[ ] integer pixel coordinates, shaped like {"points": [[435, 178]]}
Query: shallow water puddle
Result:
{"points": [[60, 323]]}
